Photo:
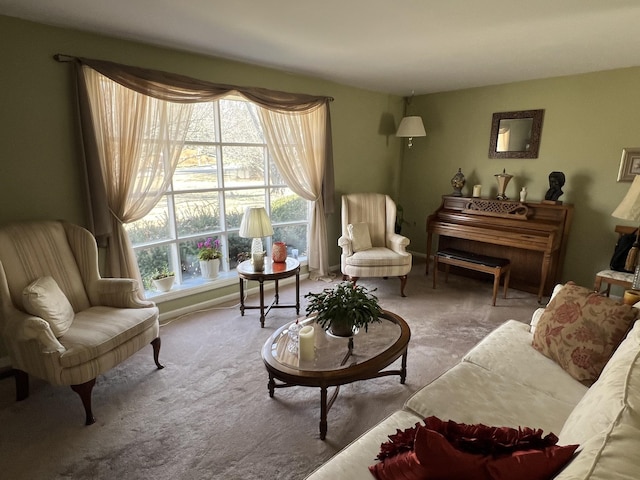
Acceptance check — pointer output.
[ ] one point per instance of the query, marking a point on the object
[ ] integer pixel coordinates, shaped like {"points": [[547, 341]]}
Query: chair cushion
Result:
{"points": [[580, 329], [378, 257], [359, 234], [99, 330], [43, 298]]}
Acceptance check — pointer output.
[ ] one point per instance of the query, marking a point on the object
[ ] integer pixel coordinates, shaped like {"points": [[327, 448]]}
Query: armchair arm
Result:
{"points": [[397, 243], [23, 327], [344, 242], [120, 293]]}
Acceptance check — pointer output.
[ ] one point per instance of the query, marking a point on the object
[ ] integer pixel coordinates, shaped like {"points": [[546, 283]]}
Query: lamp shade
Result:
{"points": [[629, 208], [411, 127], [255, 223]]}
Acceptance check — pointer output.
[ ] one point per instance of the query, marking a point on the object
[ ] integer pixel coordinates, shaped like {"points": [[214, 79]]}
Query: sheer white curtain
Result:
{"points": [[297, 142], [138, 140]]}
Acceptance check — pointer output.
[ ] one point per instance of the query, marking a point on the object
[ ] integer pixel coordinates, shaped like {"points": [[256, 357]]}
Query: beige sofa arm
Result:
{"points": [[398, 243], [344, 242], [23, 327], [120, 293]]}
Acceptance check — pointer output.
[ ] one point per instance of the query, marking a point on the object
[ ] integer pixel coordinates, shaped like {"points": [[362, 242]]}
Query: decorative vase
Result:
{"points": [[523, 194], [279, 252], [503, 179], [209, 268], [457, 182], [163, 284]]}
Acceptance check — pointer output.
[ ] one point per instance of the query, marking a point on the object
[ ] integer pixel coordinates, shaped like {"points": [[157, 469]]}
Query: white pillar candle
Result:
{"points": [[306, 343], [477, 189]]}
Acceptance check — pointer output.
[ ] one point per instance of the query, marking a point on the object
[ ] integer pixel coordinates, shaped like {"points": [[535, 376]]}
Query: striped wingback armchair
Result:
{"points": [[60, 321], [370, 246]]}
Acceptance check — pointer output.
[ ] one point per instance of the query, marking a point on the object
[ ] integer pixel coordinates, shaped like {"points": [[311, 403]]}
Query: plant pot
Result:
{"points": [[163, 284], [341, 329], [209, 269]]}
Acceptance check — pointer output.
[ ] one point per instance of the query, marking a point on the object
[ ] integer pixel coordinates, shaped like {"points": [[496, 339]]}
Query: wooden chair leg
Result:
{"points": [[84, 390], [22, 384], [403, 282], [496, 284], [156, 352]]}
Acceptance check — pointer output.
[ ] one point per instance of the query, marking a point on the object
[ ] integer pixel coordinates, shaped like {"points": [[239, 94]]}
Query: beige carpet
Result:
{"points": [[208, 413]]}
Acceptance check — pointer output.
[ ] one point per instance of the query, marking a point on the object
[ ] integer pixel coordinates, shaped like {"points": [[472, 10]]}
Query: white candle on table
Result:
{"points": [[306, 342], [476, 190]]}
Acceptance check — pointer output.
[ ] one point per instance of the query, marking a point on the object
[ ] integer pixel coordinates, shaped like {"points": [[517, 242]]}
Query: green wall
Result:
{"points": [[588, 120], [40, 169]]}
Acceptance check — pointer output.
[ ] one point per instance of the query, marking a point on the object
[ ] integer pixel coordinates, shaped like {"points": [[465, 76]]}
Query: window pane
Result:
{"points": [[239, 122], [152, 260], [197, 168], [203, 125], [197, 212], [274, 175], [295, 236], [151, 228], [286, 206], [237, 200], [243, 166], [237, 245]]}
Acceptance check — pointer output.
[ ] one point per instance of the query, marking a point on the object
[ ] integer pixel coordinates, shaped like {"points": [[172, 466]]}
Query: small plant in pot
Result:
{"points": [[343, 308], [163, 279]]}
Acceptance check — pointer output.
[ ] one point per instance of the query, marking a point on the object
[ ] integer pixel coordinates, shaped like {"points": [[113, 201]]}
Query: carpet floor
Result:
{"points": [[208, 414]]}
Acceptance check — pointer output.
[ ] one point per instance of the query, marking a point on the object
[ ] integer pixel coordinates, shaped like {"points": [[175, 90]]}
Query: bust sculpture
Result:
{"points": [[556, 182]]}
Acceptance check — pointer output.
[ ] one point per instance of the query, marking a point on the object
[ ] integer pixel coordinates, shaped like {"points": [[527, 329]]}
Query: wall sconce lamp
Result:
{"points": [[411, 126]]}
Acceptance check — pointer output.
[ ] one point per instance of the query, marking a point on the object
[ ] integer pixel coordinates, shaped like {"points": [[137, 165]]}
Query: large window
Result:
{"points": [[224, 167]]}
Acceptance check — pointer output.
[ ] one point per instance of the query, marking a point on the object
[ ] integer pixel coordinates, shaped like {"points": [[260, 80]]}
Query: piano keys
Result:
{"points": [[533, 236]]}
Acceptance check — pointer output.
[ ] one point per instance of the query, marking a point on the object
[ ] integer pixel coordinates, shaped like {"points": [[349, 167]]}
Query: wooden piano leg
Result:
{"points": [[546, 262]]}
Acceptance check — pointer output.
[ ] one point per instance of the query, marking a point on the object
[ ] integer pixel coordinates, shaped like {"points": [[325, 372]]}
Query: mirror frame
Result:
{"points": [[536, 131]]}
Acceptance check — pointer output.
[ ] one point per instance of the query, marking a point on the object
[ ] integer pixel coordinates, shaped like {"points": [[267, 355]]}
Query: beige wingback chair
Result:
{"points": [[59, 320], [370, 246]]}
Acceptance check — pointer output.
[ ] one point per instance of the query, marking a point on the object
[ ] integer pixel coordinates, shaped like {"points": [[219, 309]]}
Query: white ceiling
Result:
{"points": [[395, 46]]}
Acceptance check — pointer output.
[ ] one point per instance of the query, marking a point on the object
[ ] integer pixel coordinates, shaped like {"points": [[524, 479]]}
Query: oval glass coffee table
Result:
{"points": [[337, 360]]}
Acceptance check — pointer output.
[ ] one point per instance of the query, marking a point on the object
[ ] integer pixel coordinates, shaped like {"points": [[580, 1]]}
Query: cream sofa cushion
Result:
{"points": [[611, 454], [43, 298], [615, 397], [512, 340]]}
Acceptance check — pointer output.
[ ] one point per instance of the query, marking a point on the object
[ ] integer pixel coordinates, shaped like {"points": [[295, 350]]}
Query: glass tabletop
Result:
{"points": [[331, 352]]}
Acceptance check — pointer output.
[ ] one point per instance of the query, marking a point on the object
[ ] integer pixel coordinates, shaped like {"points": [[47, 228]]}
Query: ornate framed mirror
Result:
{"points": [[516, 134]]}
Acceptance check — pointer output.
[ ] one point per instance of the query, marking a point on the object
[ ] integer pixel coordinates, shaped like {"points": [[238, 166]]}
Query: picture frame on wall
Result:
{"points": [[629, 164]]}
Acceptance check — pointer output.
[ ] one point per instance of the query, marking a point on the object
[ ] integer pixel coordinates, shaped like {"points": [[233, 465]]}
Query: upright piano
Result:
{"points": [[533, 236]]}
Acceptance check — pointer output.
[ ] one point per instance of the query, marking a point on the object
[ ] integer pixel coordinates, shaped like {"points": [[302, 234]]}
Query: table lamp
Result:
{"points": [[256, 224], [629, 209]]}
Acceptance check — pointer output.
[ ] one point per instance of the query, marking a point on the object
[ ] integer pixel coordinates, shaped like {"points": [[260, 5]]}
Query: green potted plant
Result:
{"points": [[343, 308], [163, 279], [209, 254]]}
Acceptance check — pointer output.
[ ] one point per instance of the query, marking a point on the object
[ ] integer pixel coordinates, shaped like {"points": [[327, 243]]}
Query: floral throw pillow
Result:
{"points": [[580, 329]]}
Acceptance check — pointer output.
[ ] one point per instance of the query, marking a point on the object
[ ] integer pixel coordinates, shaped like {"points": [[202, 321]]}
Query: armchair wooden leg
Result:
{"points": [[84, 390], [403, 282], [22, 384], [156, 352]]}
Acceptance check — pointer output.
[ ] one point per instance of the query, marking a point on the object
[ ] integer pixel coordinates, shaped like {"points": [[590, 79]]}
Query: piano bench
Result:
{"points": [[472, 261]]}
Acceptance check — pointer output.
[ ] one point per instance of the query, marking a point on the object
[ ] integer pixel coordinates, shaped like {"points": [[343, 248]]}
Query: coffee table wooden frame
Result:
{"points": [[372, 368]]}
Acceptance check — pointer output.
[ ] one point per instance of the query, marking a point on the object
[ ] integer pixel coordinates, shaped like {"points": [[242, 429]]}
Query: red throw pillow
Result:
{"points": [[449, 451]]}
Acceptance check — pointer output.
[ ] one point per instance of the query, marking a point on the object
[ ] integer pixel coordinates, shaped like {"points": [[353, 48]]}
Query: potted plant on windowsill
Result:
{"points": [[163, 279], [209, 254], [344, 308]]}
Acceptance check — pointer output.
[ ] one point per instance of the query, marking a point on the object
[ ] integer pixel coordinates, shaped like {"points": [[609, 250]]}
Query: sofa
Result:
{"points": [[505, 381]]}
